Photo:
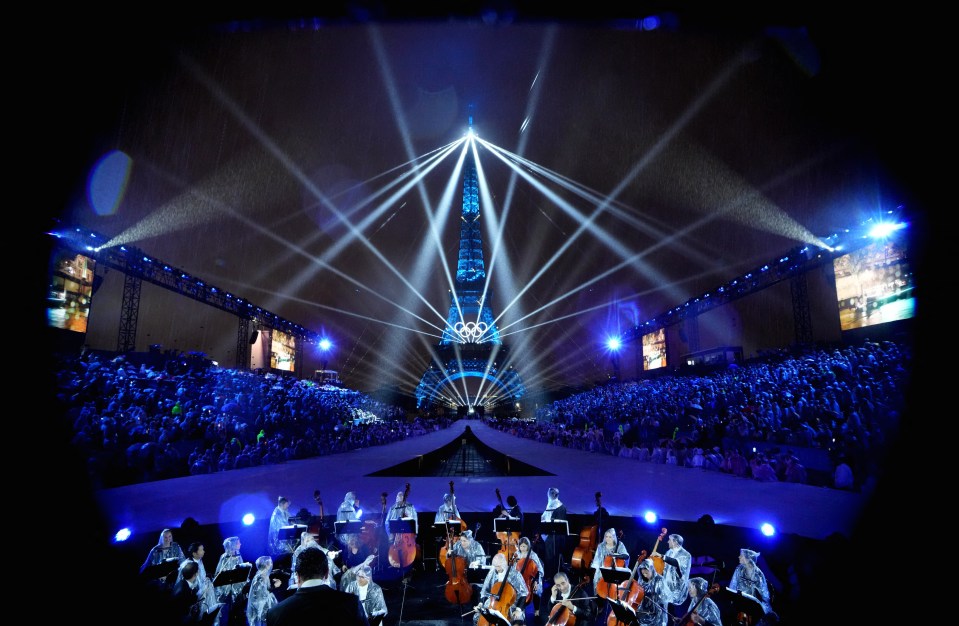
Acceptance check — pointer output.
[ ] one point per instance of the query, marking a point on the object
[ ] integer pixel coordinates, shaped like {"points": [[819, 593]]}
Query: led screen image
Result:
{"points": [[70, 291], [874, 285], [654, 350]]}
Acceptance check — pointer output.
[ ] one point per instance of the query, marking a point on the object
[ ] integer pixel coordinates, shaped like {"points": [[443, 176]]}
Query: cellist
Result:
{"points": [[563, 597], [512, 594], [652, 609], [613, 548], [403, 510]]}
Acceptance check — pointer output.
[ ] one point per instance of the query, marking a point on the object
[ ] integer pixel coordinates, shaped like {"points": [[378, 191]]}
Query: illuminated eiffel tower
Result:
{"points": [[471, 346]]}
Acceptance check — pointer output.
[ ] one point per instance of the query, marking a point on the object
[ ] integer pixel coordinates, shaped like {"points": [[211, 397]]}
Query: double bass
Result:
{"points": [[458, 588], [583, 553], [318, 529], [451, 537], [403, 550]]}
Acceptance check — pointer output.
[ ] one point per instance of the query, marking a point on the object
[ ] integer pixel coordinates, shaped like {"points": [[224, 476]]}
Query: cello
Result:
{"points": [[606, 589], [630, 592], [658, 563], [687, 619], [403, 549], [528, 570], [508, 540], [502, 595], [562, 616], [583, 553]]}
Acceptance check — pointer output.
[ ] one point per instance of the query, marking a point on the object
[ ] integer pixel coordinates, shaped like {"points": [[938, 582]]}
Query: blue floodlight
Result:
{"points": [[325, 344], [614, 343], [248, 519], [122, 535], [885, 229], [767, 529], [650, 517]]}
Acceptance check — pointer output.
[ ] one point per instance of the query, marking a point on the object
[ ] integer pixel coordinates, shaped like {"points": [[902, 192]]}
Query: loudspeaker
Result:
{"points": [[253, 336]]}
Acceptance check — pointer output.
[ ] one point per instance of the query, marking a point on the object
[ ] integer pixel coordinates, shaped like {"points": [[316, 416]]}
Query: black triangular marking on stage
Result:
{"points": [[465, 455]]}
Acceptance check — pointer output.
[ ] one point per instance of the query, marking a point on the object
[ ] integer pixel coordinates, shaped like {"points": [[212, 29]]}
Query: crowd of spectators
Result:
{"points": [[751, 419], [136, 422], [150, 421]]}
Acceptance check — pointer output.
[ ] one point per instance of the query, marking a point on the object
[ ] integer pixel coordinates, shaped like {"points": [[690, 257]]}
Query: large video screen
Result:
{"points": [[654, 350], [70, 290], [282, 351], [874, 285]]}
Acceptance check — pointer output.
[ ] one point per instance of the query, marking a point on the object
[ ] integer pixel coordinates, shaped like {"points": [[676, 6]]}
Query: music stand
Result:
{"points": [[291, 533], [744, 603], [507, 525], [163, 569], [402, 526], [624, 613], [352, 527], [614, 575], [238, 574], [447, 528], [553, 527], [494, 617]]}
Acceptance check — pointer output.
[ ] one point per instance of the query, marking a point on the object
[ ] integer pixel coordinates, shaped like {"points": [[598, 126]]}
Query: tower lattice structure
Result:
{"points": [[471, 345]]}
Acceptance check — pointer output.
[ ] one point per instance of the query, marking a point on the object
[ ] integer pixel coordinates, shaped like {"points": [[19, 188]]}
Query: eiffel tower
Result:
{"points": [[471, 346]]}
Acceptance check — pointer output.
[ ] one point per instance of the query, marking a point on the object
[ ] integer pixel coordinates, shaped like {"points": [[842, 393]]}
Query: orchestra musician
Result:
{"points": [[279, 518], [448, 510], [749, 578], [555, 543], [512, 510], [573, 600], [358, 580], [610, 546], [497, 574], [308, 542], [402, 509], [347, 512]]}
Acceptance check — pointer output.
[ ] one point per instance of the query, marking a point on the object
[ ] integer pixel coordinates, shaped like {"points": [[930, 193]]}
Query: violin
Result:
{"points": [[404, 549], [508, 540], [583, 553]]}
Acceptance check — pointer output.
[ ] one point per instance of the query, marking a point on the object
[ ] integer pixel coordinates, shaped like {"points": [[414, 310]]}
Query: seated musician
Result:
{"points": [[564, 598], [447, 510], [492, 606], [470, 549]]}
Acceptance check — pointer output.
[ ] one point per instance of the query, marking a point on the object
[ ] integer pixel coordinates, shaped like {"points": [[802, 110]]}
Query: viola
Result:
{"points": [[583, 553], [404, 549]]}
